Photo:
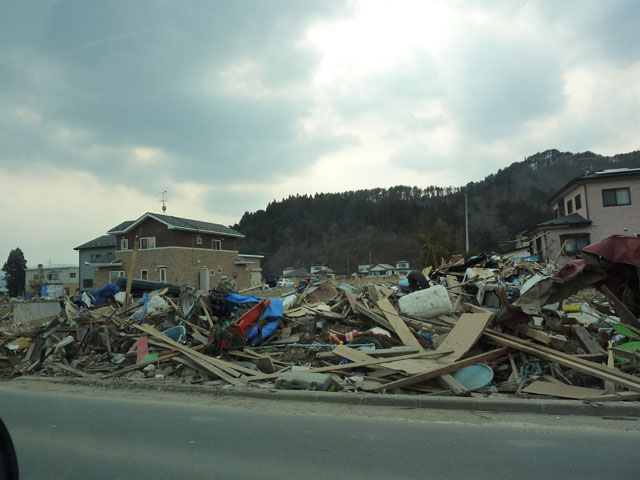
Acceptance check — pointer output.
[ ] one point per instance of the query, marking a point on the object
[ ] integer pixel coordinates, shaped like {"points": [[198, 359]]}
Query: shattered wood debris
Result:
{"points": [[486, 325]]}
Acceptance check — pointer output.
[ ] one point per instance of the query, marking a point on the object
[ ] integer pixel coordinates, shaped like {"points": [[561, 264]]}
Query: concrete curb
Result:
{"points": [[509, 405]]}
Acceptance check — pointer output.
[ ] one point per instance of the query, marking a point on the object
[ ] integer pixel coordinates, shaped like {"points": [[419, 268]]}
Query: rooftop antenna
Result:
{"points": [[164, 201]]}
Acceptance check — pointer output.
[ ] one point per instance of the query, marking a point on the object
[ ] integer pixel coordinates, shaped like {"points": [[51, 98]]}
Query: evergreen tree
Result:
{"points": [[15, 268]]}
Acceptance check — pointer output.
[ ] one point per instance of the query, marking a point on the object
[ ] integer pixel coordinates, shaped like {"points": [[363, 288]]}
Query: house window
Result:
{"points": [[53, 276], [72, 275], [216, 244], [144, 274], [569, 207], [124, 244], [87, 283], [575, 243], [556, 213], [578, 201], [199, 240], [114, 275], [35, 277], [163, 275], [219, 269], [147, 242], [616, 196], [94, 257]]}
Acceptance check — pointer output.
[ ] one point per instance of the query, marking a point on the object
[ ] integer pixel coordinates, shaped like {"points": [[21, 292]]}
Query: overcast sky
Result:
{"points": [[228, 105]]}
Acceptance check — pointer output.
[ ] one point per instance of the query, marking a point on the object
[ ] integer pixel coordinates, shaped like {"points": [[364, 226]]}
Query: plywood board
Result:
{"points": [[561, 390], [398, 324]]}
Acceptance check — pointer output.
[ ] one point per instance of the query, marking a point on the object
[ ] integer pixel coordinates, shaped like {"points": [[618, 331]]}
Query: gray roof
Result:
{"points": [[601, 175], [298, 272], [573, 219], [178, 223], [103, 241]]}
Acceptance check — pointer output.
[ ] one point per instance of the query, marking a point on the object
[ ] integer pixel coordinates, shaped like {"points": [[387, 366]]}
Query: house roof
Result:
{"points": [[573, 219], [298, 272], [384, 266], [611, 173], [102, 241], [178, 223]]}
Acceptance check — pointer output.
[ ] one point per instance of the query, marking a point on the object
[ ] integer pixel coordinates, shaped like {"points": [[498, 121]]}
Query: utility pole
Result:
{"points": [[466, 222]]}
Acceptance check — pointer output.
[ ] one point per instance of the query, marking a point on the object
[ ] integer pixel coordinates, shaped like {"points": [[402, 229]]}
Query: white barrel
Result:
{"points": [[427, 303]]}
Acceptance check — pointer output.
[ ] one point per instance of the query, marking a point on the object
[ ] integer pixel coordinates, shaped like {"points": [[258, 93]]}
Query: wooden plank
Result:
{"points": [[348, 366], [373, 316], [621, 309], [465, 333], [132, 269], [107, 338], [225, 370], [141, 365], [626, 354], [561, 390], [615, 397], [608, 386], [379, 352], [586, 340], [398, 324], [206, 312], [599, 371], [352, 298], [71, 369], [555, 341], [449, 368], [448, 381], [351, 354]]}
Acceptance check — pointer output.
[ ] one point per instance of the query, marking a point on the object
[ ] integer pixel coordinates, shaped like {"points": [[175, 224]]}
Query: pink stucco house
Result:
{"points": [[586, 210]]}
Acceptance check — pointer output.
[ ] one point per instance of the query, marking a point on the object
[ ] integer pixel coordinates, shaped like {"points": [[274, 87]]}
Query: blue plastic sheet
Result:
{"points": [[144, 302], [273, 311], [101, 296]]}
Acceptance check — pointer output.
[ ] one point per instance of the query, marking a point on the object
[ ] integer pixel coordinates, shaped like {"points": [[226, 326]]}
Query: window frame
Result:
{"points": [[198, 240], [575, 237], [111, 277], [147, 241], [163, 273], [214, 242], [124, 243], [72, 275], [615, 194], [569, 206], [577, 200], [144, 274]]}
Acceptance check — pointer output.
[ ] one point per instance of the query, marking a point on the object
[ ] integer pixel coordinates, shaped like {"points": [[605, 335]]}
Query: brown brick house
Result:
{"points": [[586, 210], [179, 251]]}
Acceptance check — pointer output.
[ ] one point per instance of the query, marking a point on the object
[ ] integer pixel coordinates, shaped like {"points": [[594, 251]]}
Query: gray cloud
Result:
{"points": [[136, 73]]}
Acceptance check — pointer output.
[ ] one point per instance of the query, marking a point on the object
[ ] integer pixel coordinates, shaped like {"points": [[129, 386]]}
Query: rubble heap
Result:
{"points": [[486, 325]]}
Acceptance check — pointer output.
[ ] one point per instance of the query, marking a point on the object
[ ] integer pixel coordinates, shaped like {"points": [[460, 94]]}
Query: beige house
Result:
{"points": [[52, 281], [179, 251], [586, 210]]}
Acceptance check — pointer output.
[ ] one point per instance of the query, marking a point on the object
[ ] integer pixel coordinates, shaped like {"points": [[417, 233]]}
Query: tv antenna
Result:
{"points": [[164, 201]]}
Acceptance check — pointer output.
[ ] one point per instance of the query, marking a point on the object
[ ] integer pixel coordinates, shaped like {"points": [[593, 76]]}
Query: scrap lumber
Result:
{"points": [[378, 352], [398, 324], [448, 368], [599, 371], [348, 366], [132, 269], [540, 387], [141, 365], [219, 368], [449, 381], [608, 386], [586, 340], [555, 341], [621, 309], [373, 316], [71, 369], [206, 312], [351, 354]]}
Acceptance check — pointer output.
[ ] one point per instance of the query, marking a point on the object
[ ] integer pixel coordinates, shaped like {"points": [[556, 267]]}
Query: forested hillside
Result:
{"points": [[343, 229]]}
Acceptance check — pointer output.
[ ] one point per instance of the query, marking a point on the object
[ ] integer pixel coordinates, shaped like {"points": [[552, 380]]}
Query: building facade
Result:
{"points": [[588, 209], [101, 250]]}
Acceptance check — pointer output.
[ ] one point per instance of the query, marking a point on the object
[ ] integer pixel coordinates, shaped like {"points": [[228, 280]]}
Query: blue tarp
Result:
{"points": [[273, 311], [101, 296]]}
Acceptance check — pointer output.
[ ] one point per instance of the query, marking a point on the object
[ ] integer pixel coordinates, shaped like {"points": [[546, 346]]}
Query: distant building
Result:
{"points": [[586, 210], [99, 251], [401, 268], [51, 281]]}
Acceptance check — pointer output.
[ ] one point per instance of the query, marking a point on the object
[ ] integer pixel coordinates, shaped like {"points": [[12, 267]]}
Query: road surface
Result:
{"points": [[115, 435]]}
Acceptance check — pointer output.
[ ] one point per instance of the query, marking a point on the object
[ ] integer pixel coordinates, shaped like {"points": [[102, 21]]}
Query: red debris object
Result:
{"points": [[248, 320], [617, 249]]}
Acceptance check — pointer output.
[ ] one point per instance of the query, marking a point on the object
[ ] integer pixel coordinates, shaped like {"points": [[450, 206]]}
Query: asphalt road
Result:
{"points": [[60, 435]]}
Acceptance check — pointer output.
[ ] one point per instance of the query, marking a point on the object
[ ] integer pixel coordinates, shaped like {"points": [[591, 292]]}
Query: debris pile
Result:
{"points": [[486, 325]]}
